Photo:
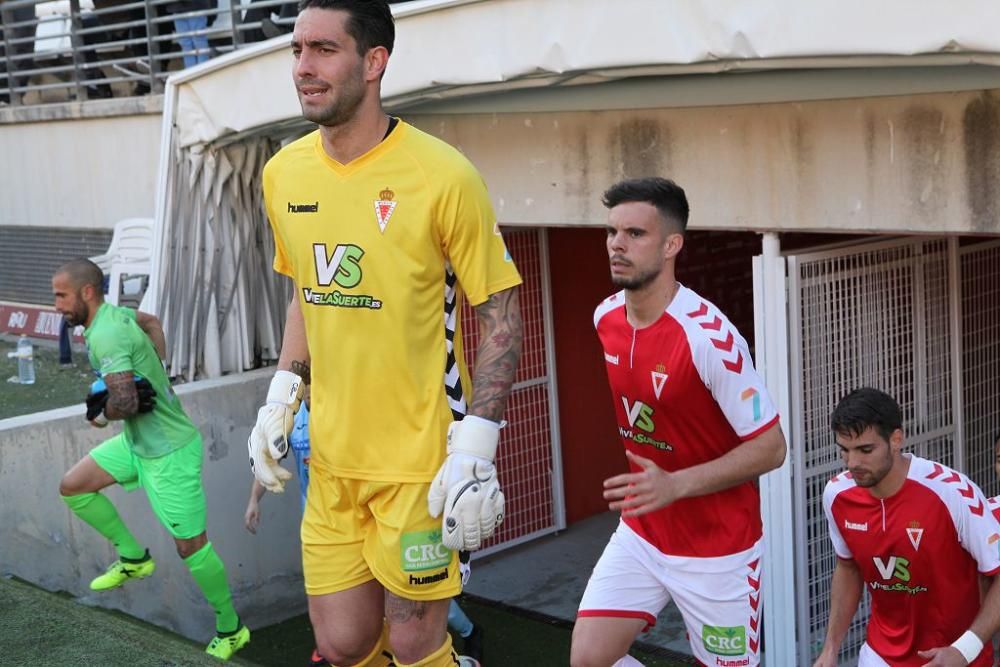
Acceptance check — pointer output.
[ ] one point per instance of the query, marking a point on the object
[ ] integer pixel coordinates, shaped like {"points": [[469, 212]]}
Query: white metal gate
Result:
{"points": [[528, 458], [980, 287], [916, 317], [880, 314]]}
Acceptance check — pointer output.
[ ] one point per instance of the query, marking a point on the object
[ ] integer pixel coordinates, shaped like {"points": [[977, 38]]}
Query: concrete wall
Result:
{"points": [[41, 541], [918, 163], [913, 163], [89, 170]]}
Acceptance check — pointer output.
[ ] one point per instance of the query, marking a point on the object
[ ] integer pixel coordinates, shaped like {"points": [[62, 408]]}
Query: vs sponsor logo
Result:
{"points": [[896, 571], [343, 268], [725, 640], [640, 416]]}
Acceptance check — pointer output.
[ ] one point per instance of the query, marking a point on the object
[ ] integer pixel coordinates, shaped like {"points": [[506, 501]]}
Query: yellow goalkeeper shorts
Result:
{"points": [[356, 530]]}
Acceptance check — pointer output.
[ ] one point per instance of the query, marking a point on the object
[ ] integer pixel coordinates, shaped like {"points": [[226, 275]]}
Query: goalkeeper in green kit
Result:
{"points": [[159, 448]]}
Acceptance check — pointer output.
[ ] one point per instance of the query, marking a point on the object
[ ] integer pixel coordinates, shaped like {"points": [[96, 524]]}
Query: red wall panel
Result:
{"points": [[591, 448], [717, 265]]}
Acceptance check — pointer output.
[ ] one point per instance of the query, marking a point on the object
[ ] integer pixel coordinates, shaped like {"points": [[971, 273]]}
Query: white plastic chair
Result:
{"points": [[130, 253], [52, 34]]}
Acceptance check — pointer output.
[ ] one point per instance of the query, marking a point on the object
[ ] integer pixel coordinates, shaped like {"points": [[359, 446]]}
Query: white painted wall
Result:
{"points": [[41, 541], [913, 163], [79, 172]]}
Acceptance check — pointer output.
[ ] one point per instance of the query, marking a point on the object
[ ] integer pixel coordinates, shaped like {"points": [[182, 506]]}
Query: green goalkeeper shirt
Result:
{"points": [[116, 344]]}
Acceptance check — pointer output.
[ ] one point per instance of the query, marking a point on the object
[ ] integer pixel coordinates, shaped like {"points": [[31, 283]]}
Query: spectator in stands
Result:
{"points": [[189, 30], [65, 344], [127, 26]]}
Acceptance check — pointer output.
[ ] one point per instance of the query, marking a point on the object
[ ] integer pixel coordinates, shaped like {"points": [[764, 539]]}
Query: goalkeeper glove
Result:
{"points": [[268, 441], [97, 399], [147, 395], [465, 491]]}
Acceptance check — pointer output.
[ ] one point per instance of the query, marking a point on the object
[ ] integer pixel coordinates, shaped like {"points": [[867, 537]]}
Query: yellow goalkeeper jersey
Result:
{"points": [[382, 251]]}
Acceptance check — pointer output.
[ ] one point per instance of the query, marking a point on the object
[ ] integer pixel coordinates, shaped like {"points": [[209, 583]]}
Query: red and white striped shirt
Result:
{"points": [[920, 552], [685, 393]]}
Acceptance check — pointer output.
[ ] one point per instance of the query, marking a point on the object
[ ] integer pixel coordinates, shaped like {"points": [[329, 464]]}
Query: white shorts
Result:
{"points": [[867, 657], [719, 598]]}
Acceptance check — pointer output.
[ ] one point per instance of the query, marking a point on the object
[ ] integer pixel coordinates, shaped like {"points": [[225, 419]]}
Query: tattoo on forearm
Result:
{"points": [[399, 610], [301, 368], [499, 351], [123, 400]]}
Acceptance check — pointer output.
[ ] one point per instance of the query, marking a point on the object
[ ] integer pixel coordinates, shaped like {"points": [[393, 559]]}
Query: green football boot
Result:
{"points": [[224, 646], [123, 570]]}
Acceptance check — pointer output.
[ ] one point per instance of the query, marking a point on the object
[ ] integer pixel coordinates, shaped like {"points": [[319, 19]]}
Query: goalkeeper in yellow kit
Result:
{"points": [[384, 231]]}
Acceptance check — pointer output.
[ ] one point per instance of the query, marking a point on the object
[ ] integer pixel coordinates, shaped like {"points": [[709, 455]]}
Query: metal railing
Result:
{"points": [[71, 50]]}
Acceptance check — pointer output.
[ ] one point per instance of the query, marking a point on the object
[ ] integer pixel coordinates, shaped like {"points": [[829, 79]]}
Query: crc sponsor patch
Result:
{"points": [[724, 640], [423, 550]]}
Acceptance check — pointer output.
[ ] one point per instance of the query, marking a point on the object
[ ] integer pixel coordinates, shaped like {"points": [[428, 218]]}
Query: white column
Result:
{"points": [[771, 342]]}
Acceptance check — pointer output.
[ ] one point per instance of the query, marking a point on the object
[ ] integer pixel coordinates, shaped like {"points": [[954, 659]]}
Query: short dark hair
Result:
{"points": [[370, 22], [668, 197], [82, 271], [865, 408]]}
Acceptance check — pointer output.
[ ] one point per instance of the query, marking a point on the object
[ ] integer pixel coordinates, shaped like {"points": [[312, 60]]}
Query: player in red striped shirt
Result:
{"points": [[914, 533], [698, 429]]}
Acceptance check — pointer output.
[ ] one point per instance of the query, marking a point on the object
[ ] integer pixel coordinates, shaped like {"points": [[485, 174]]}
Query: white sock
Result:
{"points": [[627, 661]]}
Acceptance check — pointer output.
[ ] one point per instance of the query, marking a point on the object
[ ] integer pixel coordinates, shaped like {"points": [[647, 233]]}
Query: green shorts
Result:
{"points": [[172, 482]]}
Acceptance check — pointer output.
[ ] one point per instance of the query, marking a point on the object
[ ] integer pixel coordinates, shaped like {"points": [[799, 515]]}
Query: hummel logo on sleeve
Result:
{"points": [[303, 208]]}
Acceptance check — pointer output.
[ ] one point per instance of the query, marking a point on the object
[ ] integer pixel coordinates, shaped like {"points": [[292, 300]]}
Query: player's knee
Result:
{"points": [[586, 653], [191, 546], [342, 651], [69, 487]]}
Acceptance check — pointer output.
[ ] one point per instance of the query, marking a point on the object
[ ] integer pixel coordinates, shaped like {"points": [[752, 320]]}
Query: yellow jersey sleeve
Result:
{"points": [[281, 263], [471, 239]]}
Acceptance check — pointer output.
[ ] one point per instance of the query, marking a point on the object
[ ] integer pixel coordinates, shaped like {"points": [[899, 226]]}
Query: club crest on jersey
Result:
{"points": [[384, 206], [659, 377], [915, 533]]}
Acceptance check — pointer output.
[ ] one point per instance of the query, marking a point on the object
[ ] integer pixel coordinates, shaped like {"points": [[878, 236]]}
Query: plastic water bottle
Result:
{"points": [[25, 361]]}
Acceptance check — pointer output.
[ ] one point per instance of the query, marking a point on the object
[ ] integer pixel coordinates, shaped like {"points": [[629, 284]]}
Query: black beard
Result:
{"points": [[77, 317], [637, 282]]}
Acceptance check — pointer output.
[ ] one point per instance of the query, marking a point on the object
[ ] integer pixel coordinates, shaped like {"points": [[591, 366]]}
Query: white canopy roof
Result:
{"points": [[448, 48]]}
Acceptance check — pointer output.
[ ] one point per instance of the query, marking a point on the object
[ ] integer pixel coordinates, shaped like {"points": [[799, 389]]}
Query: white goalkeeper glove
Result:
{"points": [[465, 489], [268, 441]]}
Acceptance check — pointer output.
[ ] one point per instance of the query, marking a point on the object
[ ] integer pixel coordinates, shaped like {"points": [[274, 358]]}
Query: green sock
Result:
{"points": [[210, 575], [98, 511]]}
